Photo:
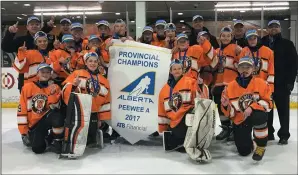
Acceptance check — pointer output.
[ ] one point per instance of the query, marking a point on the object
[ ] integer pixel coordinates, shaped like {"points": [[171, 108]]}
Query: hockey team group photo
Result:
{"points": [[106, 87]]}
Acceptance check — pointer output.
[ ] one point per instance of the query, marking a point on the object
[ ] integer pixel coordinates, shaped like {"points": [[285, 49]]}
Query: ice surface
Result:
{"points": [[146, 157]]}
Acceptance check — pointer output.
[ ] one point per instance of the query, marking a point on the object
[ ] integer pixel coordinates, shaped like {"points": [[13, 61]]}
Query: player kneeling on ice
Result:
{"points": [[176, 100], [87, 95], [246, 102], [39, 121]]}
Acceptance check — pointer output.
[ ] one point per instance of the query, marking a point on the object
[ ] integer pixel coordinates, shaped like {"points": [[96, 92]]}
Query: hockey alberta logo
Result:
{"points": [[39, 103], [90, 87], [8, 80], [145, 84], [176, 101], [245, 101]]}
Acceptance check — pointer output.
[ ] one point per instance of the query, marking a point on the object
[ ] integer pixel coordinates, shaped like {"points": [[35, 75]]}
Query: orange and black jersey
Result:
{"points": [[226, 70], [175, 100], [27, 61], [264, 63], [92, 84], [256, 95], [157, 42], [35, 102], [195, 57]]}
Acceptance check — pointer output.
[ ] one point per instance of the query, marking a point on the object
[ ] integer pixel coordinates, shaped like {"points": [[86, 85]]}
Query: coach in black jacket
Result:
{"points": [[198, 26], [285, 68]]}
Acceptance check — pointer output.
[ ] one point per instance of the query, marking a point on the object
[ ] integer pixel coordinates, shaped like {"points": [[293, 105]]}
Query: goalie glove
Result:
{"points": [[26, 140]]}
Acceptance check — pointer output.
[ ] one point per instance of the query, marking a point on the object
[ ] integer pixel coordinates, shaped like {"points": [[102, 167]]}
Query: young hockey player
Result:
{"points": [[225, 73], [147, 35], [170, 36], [176, 98], [27, 61], [103, 27], [87, 81], [246, 101], [37, 112], [195, 56], [65, 60], [160, 35]]}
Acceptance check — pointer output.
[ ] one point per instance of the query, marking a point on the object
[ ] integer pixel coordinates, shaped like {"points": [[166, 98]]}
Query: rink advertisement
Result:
{"points": [[9, 86], [136, 74]]}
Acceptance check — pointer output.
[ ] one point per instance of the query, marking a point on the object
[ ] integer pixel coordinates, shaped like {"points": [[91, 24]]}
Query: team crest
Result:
{"points": [[186, 64], [39, 103], [176, 102], [245, 101], [66, 66], [257, 66], [102, 71], [90, 87]]}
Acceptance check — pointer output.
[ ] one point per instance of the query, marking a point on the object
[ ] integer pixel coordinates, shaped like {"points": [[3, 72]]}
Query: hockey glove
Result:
{"points": [[26, 140]]}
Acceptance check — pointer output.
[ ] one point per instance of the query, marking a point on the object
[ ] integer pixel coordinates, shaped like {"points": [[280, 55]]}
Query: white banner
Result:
{"points": [[10, 92], [136, 74]]}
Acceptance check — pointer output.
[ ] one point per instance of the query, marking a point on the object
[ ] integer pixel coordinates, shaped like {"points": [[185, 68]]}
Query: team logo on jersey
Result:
{"points": [[145, 84], [39, 103], [90, 87], [257, 66], [176, 101], [102, 70], [66, 66], [7, 80], [222, 64], [245, 101], [186, 64]]}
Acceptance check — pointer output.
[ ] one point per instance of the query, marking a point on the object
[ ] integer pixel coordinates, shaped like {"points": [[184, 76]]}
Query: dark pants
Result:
{"points": [[93, 126], [282, 101], [178, 134], [242, 132], [20, 82], [217, 91], [39, 131]]}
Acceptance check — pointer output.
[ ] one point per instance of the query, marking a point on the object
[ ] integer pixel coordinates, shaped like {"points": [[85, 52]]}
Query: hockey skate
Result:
{"points": [[258, 153], [96, 141], [225, 133]]}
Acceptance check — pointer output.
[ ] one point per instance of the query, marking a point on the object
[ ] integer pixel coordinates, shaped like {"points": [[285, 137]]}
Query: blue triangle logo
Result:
{"points": [[143, 85]]}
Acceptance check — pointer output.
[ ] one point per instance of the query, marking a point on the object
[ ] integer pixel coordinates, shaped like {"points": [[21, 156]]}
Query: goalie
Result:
{"points": [[176, 100], [87, 95]]}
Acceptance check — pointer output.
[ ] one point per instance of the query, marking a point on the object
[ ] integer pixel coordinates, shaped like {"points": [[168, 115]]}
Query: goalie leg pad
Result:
{"points": [[200, 129], [76, 125]]}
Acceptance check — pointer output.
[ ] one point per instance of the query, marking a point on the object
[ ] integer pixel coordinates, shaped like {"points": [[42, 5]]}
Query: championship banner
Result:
{"points": [[9, 83], [136, 74]]}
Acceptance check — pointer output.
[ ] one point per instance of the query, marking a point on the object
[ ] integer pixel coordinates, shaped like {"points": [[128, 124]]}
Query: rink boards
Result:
{"points": [[10, 92]]}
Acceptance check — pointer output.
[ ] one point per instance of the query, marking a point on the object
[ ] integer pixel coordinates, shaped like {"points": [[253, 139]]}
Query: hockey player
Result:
{"points": [[195, 56], [262, 56], [160, 35], [225, 73], [89, 81], [170, 40], [147, 35], [65, 60], [176, 98], [104, 30], [246, 101], [27, 61], [37, 112], [77, 33]]}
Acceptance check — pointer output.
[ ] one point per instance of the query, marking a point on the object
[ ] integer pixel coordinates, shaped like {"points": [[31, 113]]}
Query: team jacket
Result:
{"points": [[226, 69], [257, 95], [26, 62], [100, 97], [172, 107], [63, 70], [195, 57], [264, 63], [34, 103], [157, 42]]}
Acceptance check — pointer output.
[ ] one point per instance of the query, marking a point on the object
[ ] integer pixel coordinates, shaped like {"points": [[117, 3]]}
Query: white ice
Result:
{"points": [[144, 158]]}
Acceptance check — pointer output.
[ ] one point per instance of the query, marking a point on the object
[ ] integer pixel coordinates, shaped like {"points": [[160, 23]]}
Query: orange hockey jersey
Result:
{"points": [[203, 91], [34, 103], [226, 70], [195, 57], [26, 62], [172, 107], [264, 63], [257, 95], [63, 70], [100, 96]]}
